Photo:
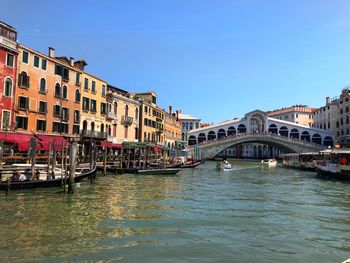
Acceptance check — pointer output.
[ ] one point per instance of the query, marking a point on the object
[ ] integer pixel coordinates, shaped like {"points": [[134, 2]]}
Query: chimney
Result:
{"points": [[177, 114], [71, 61], [51, 52], [170, 110], [328, 100]]}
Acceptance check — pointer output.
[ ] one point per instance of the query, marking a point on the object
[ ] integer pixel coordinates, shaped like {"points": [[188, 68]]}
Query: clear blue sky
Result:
{"points": [[213, 59]]}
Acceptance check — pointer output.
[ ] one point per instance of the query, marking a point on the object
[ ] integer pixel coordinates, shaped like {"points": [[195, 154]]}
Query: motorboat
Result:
{"points": [[223, 165], [269, 162]]}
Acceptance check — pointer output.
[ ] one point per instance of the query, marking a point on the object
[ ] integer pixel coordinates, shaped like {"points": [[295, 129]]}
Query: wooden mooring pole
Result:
{"points": [[105, 161], [72, 165]]}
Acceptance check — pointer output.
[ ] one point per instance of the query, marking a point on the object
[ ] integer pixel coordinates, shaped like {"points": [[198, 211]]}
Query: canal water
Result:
{"points": [[251, 214]]}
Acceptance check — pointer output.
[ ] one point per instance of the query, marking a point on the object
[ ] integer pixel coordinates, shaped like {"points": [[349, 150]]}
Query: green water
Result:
{"points": [[251, 214]]}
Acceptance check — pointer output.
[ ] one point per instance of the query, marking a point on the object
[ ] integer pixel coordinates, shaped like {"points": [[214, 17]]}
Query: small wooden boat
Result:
{"points": [[159, 171], [269, 162], [81, 173]]}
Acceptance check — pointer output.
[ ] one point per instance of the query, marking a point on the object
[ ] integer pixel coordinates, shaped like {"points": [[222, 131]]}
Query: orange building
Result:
{"points": [[47, 94]]}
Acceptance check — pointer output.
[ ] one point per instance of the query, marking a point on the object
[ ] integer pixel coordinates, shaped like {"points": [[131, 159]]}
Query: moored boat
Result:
{"points": [[302, 161], [192, 164], [159, 171], [80, 174]]}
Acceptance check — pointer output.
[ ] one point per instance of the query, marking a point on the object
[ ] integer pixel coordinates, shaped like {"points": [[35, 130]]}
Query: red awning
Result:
{"points": [[156, 149], [108, 144], [45, 140], [23, 141]]}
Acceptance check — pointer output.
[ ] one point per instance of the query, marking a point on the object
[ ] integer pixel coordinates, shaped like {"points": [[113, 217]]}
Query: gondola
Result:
{"points": [[57, 182], [192, 164]]}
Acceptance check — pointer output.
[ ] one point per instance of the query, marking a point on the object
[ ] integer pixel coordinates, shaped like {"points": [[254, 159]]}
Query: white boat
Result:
{"points": [[269, 162], [334, 164], [223, 165]]}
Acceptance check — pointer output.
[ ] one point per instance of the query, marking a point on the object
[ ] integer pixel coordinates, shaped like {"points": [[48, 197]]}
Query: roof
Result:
{"points": [[117, 89], [187, 117]]}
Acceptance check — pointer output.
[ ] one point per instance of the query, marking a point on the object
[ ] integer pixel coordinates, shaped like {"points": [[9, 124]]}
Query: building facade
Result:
{"points": [[300, 114], [151, 118], [326, 117], [343, 120], [45, 94], [172, 128], [8, 74], [123, 116], [188, 123]]}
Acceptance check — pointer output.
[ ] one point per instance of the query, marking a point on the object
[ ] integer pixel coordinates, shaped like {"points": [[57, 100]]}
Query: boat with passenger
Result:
{"points": [[334, 164], [21, 176], [302, 161], [224, 165], [269, 162]]}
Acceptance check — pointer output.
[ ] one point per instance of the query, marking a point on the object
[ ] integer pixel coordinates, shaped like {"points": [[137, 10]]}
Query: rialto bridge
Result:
{"points": [[256, 127]]}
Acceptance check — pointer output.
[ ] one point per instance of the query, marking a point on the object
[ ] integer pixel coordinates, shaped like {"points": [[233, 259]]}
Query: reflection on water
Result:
{"points": [[250, 214]]}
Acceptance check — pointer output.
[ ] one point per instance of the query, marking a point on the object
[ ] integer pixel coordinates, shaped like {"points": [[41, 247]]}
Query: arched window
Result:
{"points": [[136, 114], [8, 87], [347, 109], [341, 111], [273, 129], [58, 90], [103, 90], [84, 125], [115, 108], [221, 134], [92, 126], [23, 80], [126, 110], [42, 87], [65, 92], [77, 95], [102, 127]]}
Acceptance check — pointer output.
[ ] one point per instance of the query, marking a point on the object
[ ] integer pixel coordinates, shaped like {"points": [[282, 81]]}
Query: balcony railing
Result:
{"points": [[111, 115], [127, 121], [8, 43], [93, 134], [110, 138]]}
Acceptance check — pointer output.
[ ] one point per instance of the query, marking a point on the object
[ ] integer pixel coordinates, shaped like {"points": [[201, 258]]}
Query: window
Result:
{"points": [[93, 86], [146, 109], [65, 114], [42, 107], [58, 69], [76, 129], [103, 90], [8, 88], [103, 108], [77, 78], [58, 91], [86, 84], [86, 104], [64, 127], [65, 75], [5, 123], [10, 60], [62, 71], [136, 114], [154, 99], [77, 95], [93, 106], [25, 57], [57, 111], [23, 103], [23, 80], [21, 122], [43, 64], [41, 125], [42, 88], [76, 116], [56, 127], [65, 92], [36, 61]]}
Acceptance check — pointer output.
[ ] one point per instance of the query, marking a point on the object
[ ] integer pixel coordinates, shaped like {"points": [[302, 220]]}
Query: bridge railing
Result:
{"points": [[242, 135]]}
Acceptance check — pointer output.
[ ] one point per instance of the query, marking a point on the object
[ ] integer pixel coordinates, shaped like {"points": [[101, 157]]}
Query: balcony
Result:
{"points": [[93, 134], [110, 138], [111, 115], [8, 43], [127, 121]]}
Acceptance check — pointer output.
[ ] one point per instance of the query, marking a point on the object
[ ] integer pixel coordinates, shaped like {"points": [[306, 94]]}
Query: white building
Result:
{"points": [[326, 117], [188, 123]]}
